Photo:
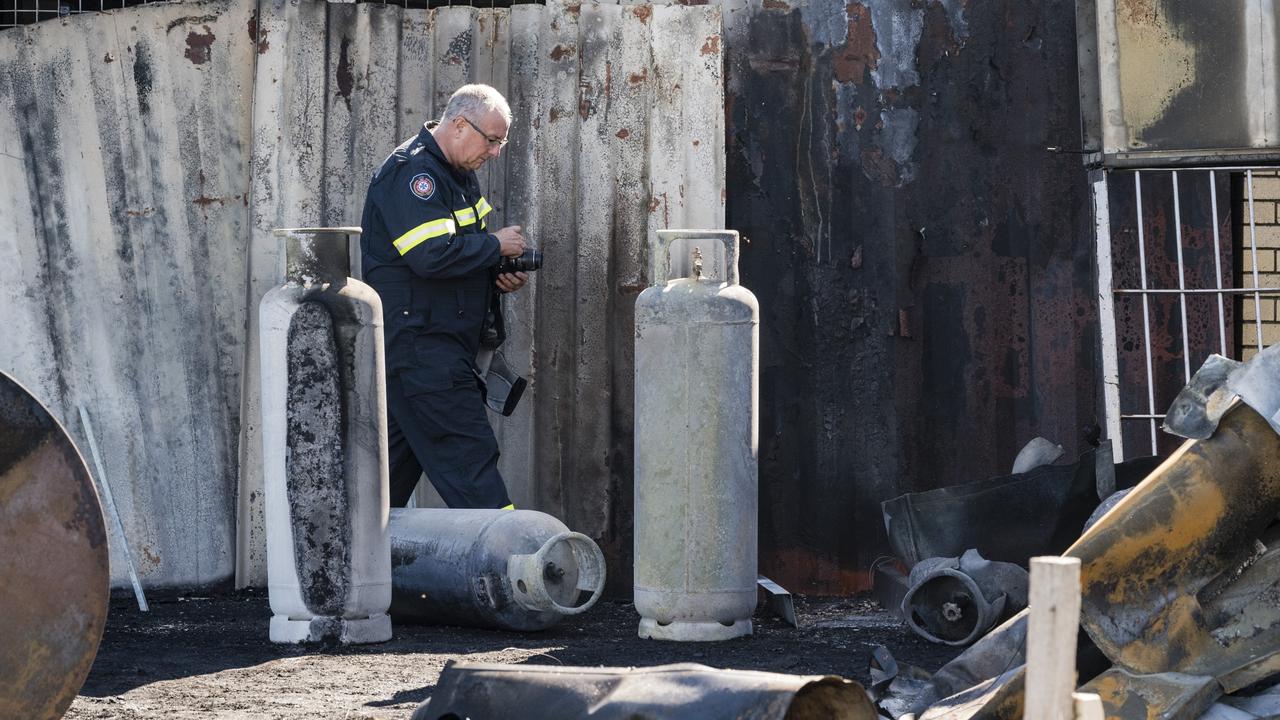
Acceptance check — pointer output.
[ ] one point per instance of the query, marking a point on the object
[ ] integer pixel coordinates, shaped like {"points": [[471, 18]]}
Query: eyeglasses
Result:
{"points": [[493, 141]]}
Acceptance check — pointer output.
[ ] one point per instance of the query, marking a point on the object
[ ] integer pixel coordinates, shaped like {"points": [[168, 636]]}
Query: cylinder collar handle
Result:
{"points": [[528, 574], [660, 254]]}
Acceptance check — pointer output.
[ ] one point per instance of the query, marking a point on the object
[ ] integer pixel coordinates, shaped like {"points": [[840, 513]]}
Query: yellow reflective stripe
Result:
{"points": [[469, 215], [465, 216], [512, 506], [423, 233]]}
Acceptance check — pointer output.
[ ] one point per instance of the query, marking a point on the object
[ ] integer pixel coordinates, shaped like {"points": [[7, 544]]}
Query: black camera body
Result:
{"points": [[528, 261]]}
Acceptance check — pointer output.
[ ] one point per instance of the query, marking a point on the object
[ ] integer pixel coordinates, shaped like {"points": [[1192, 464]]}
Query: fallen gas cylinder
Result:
{"points": [[954, 601], [534, 692], [53, 558], [509, 569]]}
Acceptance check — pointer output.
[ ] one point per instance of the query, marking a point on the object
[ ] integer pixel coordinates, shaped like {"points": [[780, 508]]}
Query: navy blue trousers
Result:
{"points": [[436, 422]]}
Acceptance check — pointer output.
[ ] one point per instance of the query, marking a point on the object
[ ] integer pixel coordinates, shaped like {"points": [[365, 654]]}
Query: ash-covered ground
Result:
{"points": [[207, 655]]}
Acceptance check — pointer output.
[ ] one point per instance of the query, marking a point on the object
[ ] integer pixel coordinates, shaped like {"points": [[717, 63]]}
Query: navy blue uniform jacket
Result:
{"points": [[426, 252]]}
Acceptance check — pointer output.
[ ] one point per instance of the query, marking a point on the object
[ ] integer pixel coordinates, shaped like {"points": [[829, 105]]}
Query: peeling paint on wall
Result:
{"points": [[898, 24]]}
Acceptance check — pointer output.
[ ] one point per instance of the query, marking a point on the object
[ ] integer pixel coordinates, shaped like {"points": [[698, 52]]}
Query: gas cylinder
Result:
{"points": [[324, 437], [508, 569], [696, 397]]}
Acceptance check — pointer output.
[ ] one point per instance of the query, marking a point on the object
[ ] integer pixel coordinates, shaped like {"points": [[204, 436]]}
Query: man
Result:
{"points": [[428, 252]]}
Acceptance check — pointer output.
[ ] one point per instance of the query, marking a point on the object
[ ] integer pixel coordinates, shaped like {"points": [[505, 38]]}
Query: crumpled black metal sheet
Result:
{"points": [[532, 692], [1010, 518]]}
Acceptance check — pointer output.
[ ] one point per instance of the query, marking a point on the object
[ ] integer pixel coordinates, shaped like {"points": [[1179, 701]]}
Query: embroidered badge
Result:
{"points": [[423, 186]]}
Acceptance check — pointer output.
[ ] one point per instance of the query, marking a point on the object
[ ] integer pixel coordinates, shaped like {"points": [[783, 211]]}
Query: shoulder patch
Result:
{"points": [[423, 185]]}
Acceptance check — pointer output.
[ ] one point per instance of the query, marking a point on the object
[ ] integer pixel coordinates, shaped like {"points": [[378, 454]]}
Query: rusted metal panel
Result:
{"points": [[54, 563], [922, 263], [128, 269], [1187, 82]]}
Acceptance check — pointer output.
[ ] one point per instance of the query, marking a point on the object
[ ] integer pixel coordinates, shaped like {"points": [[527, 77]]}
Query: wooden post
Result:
{"points": [[1089, 707], [1051, 638]]}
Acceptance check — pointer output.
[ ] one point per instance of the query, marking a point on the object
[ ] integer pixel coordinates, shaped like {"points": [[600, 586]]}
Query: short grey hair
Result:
{"points": [[474, 101]]}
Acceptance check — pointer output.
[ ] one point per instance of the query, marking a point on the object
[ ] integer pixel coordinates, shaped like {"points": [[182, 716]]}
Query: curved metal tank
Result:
{"points": [[53, 560], [509, 569], [697, 362], [324, 435]]}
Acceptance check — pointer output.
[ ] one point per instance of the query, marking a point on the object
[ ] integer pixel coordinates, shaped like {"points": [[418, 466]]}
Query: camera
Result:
{"points": [[528, 261]]}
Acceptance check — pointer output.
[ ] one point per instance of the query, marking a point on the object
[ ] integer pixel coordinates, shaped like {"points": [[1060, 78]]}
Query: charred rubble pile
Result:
{"points": [[1180, 568]]}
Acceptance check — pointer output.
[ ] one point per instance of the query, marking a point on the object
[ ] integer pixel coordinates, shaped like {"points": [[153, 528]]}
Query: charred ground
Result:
{"points": [[208, 655]]}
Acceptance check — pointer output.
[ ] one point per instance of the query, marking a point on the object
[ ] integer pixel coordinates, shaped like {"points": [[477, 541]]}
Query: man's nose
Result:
{"points": [[495, 151]]}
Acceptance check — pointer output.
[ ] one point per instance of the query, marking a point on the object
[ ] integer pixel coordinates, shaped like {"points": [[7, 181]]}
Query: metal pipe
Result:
{"points": [[1217, 262], [1146, 308], [1253, 249], [1200, 291], [1182, 281]]}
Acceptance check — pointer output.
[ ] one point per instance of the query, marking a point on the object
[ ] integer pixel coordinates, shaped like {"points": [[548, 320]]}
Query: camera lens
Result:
{"points": [[528, 261]]}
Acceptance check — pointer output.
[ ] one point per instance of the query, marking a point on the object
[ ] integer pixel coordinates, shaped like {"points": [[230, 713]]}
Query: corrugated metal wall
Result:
{"points": [[618, 130], [141, 223], [124, 237], [923, 263]]}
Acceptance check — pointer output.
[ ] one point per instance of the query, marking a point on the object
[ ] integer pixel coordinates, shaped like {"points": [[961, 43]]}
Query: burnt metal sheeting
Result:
{"points": [[123, 190], [1185, 82], [1009, 518], [1144, 563], [923, 264], [1128, 696], [1173, 582], [53, 558], [668, 691]]}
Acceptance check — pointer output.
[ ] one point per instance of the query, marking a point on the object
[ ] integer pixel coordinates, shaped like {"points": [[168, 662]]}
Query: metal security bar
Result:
{"points": [[1244, 290]]}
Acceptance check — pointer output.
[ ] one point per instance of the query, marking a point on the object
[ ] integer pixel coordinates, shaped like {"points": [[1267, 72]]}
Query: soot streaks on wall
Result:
{"points": [[922, 262]]}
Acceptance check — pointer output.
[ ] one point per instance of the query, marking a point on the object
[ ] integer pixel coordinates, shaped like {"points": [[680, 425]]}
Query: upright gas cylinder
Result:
{"points": [[324, 437], [697, 361], [509, 569]]}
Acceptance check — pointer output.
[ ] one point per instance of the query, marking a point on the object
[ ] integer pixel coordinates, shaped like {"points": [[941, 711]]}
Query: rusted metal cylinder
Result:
{"points": [[325, 447], [696, 397], [53, 561], [1146, 561], [509, 569]]}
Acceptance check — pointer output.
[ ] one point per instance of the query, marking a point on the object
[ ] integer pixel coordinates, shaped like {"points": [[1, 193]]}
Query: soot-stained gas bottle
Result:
{"points": [[324, 438], [507, 569]]}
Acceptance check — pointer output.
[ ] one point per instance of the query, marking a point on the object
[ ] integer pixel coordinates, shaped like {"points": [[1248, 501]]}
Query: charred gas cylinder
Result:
{"points": [[697, 359], [509, 569], [324, 436]]}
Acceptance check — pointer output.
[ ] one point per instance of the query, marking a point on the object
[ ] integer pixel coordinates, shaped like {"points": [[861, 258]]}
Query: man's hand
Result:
{"points": [[511, 241], [511, 282]]}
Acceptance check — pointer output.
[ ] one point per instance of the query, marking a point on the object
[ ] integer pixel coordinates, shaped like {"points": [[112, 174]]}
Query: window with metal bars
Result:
{"points": [[25, 12], [1187, 266]]}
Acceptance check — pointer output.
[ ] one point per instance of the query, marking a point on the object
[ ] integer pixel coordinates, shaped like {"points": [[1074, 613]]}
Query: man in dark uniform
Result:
{"points": [[428, 253]]}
